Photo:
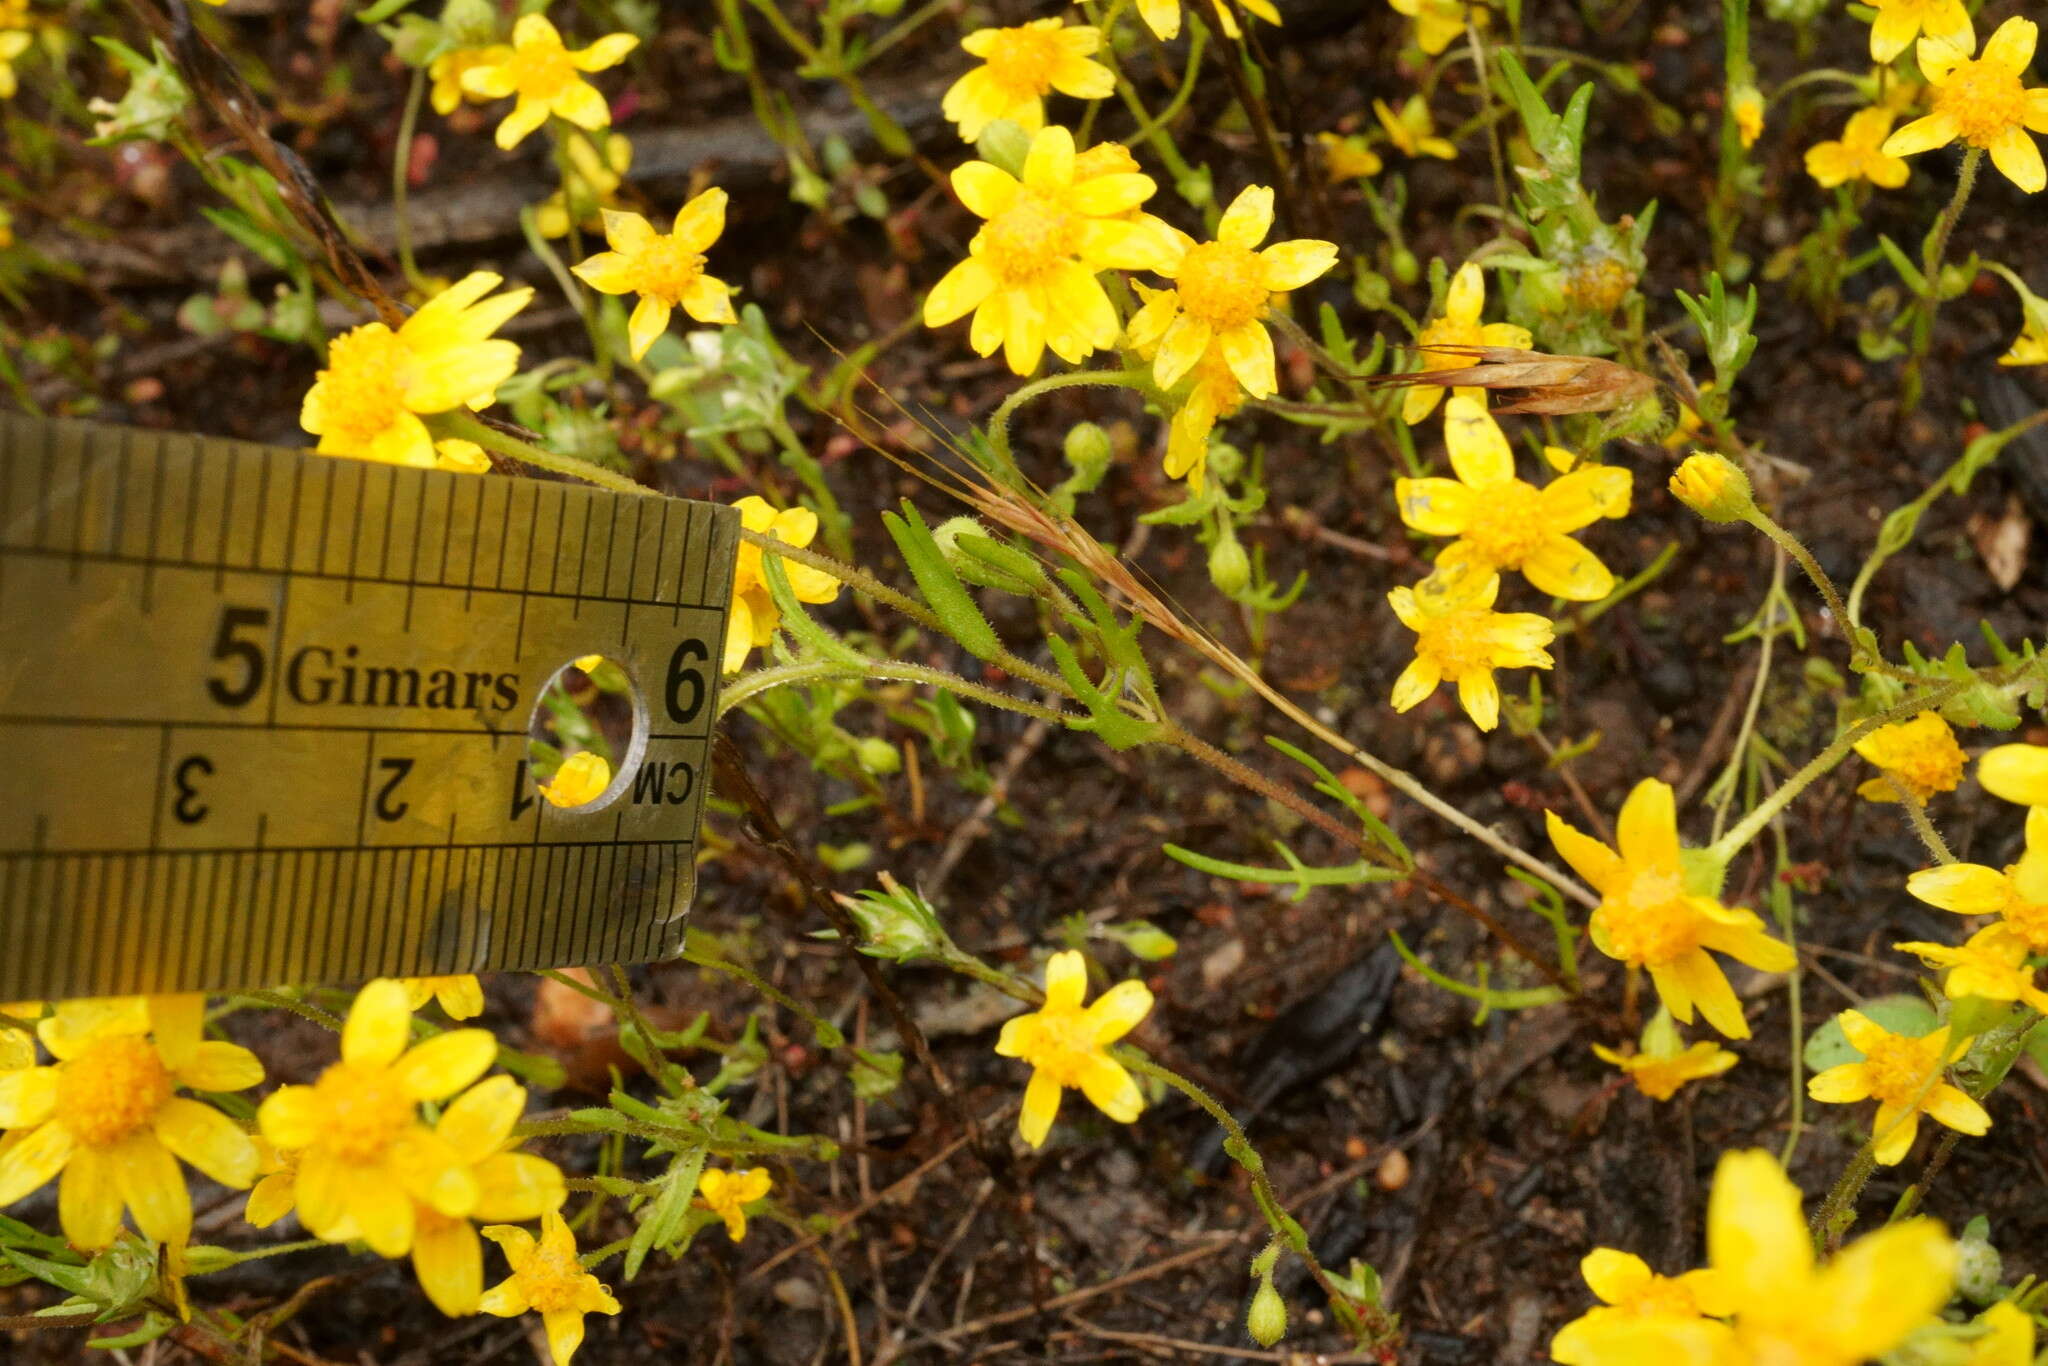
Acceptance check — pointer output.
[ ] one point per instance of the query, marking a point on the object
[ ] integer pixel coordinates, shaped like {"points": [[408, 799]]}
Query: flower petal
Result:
{"points": [[648, 321], [1589, 858], [1248, 351], [477, 1122], [1614, 1276], [1647, 830], [565, 1333], [1842, 1085], [1921, 135], [89, 1200], [1111, 1089], [1066, 981], [1435, 507], [448, 1258], [218, 1066], [2012, 45], [1117, 1011], [207, 1139], [607, 51], [1757, 1241], [1479, 695], [1882, 1287], [1290, 265], [1585, 495], [1049, 165], [379, 1024], [1707, 987], [152, 1187], [27, 1097], [1948, 1105], [1965, 888], [1417, 682], [1041, 1104], [1466, 295], [2014, 153], [1248, 219], [1479, 449], [1565, 569], [2013, 773], [291, 1117], [517, 1186], [437, 1068], [1185, 341]]}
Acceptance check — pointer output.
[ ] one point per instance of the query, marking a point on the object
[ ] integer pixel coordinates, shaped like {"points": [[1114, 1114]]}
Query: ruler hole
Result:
{"points": [[587, 735]]}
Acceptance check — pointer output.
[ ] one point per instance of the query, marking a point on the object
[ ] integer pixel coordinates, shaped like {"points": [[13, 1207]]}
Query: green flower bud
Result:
{"points": [[1267, 1321], [1230, 569], [1003, 144], [1979, 1269], [1226, 462], [1404, 266], [877, 756], [470, 23], [1713, 486], [895, 923], [1088, 450], [980, 559]]}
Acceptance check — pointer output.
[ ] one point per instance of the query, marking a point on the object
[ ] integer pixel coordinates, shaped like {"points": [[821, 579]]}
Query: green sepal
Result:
{"points": [[943, 592]]}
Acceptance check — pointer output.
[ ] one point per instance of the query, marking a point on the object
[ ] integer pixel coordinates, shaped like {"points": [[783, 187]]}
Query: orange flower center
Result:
{"points": [[1222, 285], [1897, 1069], [1061, 1043], [542, 71], [1984, 99], [551, 1278], [1023, 59], [2028, 919], [365, 1111], [1027, 240], [112, 1088], [1459, 642], [1650, 923], [1506, 528], [1599, 286], [1664, 1295], [368, 369], [1448, 332], [664, 269]]}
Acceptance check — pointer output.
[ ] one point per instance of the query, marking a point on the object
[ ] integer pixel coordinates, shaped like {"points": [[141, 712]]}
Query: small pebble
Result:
{"points": [[1393, 1172]]}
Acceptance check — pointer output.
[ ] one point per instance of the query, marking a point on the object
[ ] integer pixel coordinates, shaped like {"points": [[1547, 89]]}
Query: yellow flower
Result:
{"points": [[1782, 1309], [1748, 108], [1438, 23], [446, 1255], [666, 272], [2008, 1337], [1413, 132], [1163, 16], [461, 996], [1859, 155], [1458, 326], [1504, 523], [727, 1194], [1686, 430], [1918, 758], [1659, 1076], [1982, 101], [1898, 22], [2016, 773], [460, 457], [13, 42], [547, 78], [1347, 157], [1992, 964], [1628, 1291], [1714, 486], [547, 1277], [580, 780], [367, 402], [2031, 346], [1221, 292], [1215, 394], [596, 166], [105, 1115], [1020, 66], [364, 1156], [1066, 1045], [754, 615], [1903, 1073], [1460, 638], [1647, 918], [18, 1039], [1029, 277], [446, 73]]}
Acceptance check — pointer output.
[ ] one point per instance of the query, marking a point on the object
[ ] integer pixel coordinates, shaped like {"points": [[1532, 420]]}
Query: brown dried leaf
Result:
{"points": [[1548, 384], [2002, 541]]}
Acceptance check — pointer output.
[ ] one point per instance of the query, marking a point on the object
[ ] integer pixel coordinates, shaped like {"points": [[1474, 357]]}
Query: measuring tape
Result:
{"points": [[263, 715]]}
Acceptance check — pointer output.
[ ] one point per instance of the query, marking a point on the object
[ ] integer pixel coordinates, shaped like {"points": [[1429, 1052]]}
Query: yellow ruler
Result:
{"points": [[264, 715]]}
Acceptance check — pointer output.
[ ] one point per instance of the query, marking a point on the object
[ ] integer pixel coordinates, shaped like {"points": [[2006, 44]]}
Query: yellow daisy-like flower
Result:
{"points": [[1982, 101], [727, 1195], [1628, 1291], [1748, 108], [1066, 1045], [1504, 523], [2016, 773], [1898, 22], [446, 73], [580, 780], [596, 166], [368, 401], [1781, 1308], [1992, 964], [1459, 325], [1659, 1075], [1460, 638], [1212, 393], [1221, 292], [1029, 277], [547, 1277], [1413, 131], [13, 42], [461, 996], [547, 77], [2031, 346], [1020, 67], [1858, 154], [1647, 918], [755, 616], [364, 1156], [1438, 23], [1163, 16], [666, 272], [1347, 156], [1903, 1074], [106, 1116], [1919, 758]]}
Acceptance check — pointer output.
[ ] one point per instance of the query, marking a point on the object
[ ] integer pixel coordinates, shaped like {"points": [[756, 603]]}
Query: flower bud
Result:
{"points": [[980, 559], [1747, 105], [877, 756], [1230, 569], [1713, 486], [1267, 1321], [1979, 1269], [1088, 450], [1225, 462], [1405, 267], [470, 23]]}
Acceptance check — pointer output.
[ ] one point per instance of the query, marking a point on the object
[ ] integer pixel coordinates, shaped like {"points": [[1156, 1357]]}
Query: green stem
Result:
{"points": [[999, 421], [886, 671], [1780, 897], [401, 176], [1846, 1189], [1725, 784], [1916, 814], [462, 423], [1930, 278], [1860, 655]]}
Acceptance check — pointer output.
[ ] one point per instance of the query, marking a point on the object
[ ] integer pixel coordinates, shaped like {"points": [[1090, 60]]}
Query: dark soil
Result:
{"points": [[1472, 1165]]}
